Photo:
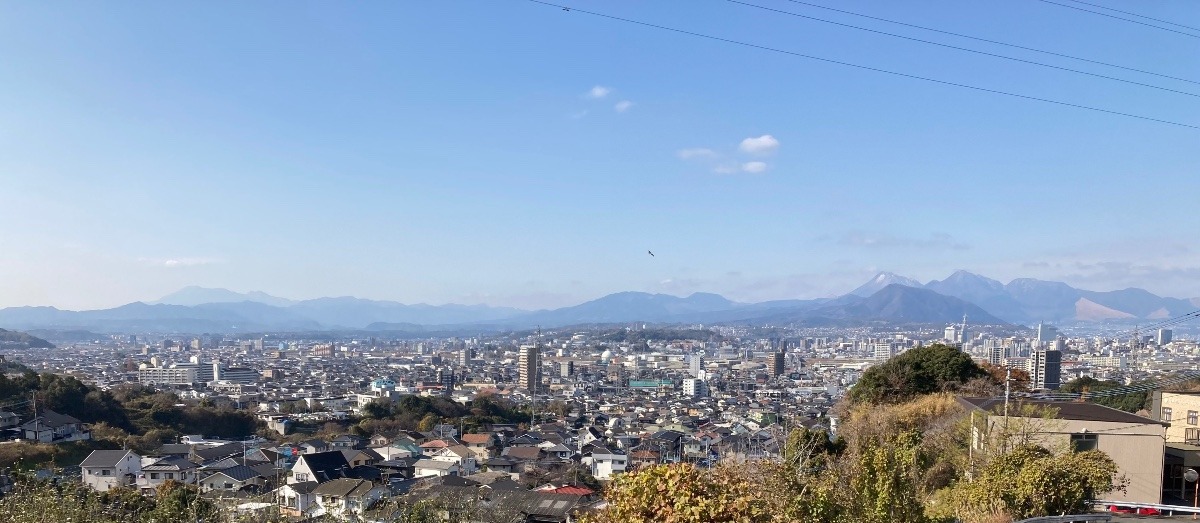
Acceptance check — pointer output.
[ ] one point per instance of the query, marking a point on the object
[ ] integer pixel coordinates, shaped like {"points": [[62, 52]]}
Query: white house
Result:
{"points": [[345, 497], [297, 499], [430, 467], [605, 463], [459, 455], [172, 468], [109, 469]]}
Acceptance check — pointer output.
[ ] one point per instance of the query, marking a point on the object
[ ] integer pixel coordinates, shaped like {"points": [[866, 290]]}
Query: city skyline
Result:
{"points": [[520, 156]]}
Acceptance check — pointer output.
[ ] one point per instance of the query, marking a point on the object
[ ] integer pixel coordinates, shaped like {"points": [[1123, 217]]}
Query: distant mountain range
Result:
{"points": [[885, 298]]}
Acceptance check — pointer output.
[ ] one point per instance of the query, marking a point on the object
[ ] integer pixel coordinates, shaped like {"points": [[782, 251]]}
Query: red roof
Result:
{"points": [[576, 491]]}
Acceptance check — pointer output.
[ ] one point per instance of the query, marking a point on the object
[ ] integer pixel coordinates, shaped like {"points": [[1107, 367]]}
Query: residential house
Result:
{"points": [[108, 469], [9, 420], [52, 427], [360, 458], [171, 468], [459, 455], [604, 462], [346, 497], [526, 458], [1135, 443], [426, 467], [347, 442], [234, 479], [482, 445], [297, 499], [319, 467]]}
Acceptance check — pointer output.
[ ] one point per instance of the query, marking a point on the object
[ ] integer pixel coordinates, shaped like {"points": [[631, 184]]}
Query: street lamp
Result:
{"points": [[1191, 476]]}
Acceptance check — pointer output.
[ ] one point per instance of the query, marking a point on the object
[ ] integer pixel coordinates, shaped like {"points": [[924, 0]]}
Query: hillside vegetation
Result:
{"points": [[20, 340]]}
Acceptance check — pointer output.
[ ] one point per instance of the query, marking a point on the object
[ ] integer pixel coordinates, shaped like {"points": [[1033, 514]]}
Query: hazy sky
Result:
{"points": [[508, 153]]}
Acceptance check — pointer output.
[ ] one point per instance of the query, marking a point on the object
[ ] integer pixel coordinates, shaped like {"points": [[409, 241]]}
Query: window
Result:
{"points": [[169, 475], [1192, 417], [153, 475], [1082, 442], [228, 486], [1191, 436], [105, 472], [1166, 413]]}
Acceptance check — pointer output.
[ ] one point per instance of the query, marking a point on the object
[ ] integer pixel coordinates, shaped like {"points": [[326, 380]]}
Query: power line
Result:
{"points": [[969, 50], [1077, 8], [865, 67], [1168, 22], [997, 42]]}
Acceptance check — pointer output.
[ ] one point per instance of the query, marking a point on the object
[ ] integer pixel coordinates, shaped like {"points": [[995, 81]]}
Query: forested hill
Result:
{"points": [[21, 340]]}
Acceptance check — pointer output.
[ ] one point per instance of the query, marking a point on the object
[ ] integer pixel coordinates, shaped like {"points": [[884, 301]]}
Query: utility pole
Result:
{"points": [[1007, 392]]}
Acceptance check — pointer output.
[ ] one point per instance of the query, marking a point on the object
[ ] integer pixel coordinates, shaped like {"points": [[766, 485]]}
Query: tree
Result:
{"points": [[1130, 402], [427, 423], [1030, 481], [681, 493], [922, 370]]}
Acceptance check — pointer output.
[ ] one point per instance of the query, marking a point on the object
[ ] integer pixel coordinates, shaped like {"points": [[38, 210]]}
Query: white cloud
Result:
{"points": [[696, 152], [623, 106], [754, 167], [175, 263], [726, 169], [598, 92], [762, 145]]}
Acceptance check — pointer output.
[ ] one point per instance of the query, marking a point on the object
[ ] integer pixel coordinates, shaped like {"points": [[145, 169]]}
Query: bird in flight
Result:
{"points": [[650, 253]]}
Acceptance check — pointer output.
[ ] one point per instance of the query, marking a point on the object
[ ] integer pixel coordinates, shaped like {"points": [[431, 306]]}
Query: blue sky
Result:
{"points": [[460, 151]]}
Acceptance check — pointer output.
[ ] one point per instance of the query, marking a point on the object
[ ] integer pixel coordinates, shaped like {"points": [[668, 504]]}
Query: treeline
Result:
{"points": [[422, 413], [33, 501], [129, 415]]}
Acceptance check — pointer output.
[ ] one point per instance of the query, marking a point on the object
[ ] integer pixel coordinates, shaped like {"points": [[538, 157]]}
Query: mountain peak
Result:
{"points": [[195, 295], [882, 280]]}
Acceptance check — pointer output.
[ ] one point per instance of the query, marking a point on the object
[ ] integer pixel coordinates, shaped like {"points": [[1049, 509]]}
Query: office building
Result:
{"points": [[1045, 369], [884, 351], [1046, 334], [527, 368], [775, 363], [566, 369], [1164, 336], [695, 388], [465, 356]]}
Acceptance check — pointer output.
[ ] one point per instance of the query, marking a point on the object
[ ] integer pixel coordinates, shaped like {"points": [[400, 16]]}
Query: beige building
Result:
{"points": [[1182, 411], [527, 368], [1136, 444]]}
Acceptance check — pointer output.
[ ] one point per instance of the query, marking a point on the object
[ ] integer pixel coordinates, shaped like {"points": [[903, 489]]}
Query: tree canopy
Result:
{"points": [[922, 370]]}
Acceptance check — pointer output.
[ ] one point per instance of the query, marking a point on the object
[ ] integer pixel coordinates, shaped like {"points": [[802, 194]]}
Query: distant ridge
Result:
{"points": [[20, 340], [886, 297], [193, 295]]}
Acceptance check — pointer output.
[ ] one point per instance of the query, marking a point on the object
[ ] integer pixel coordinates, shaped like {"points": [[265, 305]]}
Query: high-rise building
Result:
{"points": [[884, 351], [1046, 334], [695, 365], [1045, 369], [998, 355], [566, 368], [465, 356], [775, 363], [952, 335], [1164, 336], [695, 387], [527, 368]]}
